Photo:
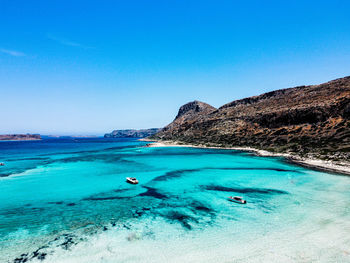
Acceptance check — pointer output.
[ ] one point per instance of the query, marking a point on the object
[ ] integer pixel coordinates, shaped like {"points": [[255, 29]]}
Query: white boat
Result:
{"points": [[237, 199], [132, 180]]}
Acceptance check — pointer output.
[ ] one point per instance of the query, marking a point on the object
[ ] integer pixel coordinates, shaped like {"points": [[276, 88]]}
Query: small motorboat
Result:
{"points": [[2, 164], [132, 180], [237, 199]]}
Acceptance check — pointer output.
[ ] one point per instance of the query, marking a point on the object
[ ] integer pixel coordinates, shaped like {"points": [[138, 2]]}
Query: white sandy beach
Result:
{"points": [[329, 166]]}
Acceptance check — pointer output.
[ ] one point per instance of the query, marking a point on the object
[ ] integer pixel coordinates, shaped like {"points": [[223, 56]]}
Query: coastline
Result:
{"points": [[311, 163]]}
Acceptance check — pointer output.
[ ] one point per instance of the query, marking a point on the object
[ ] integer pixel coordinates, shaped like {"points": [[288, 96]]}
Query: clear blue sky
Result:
{"points": [[88, 67]]}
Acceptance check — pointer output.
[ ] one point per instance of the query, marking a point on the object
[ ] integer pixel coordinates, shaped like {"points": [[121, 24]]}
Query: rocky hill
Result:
{"points": [[307, 120], [188, 114], [132, 133]]}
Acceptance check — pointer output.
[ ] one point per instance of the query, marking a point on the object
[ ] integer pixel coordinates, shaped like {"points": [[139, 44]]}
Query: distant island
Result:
{"points": [[306, 121], [20, 137], [130, 133]]}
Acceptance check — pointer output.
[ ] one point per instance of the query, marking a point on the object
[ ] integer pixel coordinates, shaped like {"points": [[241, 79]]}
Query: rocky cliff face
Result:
{"points": [[132, 133], [307, 120], [188, 114]]}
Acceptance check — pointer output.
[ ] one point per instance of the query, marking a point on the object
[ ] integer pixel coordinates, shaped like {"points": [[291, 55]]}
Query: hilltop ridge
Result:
{"points": [[307, 120]]}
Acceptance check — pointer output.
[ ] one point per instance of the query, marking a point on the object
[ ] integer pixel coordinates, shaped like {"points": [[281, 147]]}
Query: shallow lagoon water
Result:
{"points": [[66, 200]]}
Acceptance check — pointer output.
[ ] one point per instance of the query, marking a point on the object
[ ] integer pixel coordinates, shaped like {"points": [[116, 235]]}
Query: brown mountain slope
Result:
{"points": [[306, 120], [188, 114]]}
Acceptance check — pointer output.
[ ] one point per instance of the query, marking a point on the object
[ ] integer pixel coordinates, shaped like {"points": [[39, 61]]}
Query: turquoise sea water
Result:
{"points": [[66, 200]]}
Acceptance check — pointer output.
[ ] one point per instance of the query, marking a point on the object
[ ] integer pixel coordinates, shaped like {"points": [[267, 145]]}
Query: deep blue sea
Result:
{"points": [[66, 200]]}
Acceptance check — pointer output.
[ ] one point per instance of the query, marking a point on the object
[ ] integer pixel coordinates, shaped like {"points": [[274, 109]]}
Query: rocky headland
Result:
{"points": [[20, 137], [306, 122], [132, 133]]}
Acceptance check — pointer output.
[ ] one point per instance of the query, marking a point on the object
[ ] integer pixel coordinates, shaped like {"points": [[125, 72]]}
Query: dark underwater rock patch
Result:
{"points": [[65, 241], [109, 195], [203, 211], [37, 254], [67, 244], [153, 192], [138, 213], [141, 212], [189, 213], [198, 207], [173, 174], [23, 258], [182, 218], [202, 208], [126, 226]]}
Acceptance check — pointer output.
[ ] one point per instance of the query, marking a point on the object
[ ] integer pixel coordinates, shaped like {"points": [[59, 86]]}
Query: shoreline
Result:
{"points": [[311, 163]]}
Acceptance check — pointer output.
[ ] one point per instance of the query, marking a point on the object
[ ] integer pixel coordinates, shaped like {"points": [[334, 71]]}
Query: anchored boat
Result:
{"points": [[132, 180], [2, 164], [237, 199]]}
